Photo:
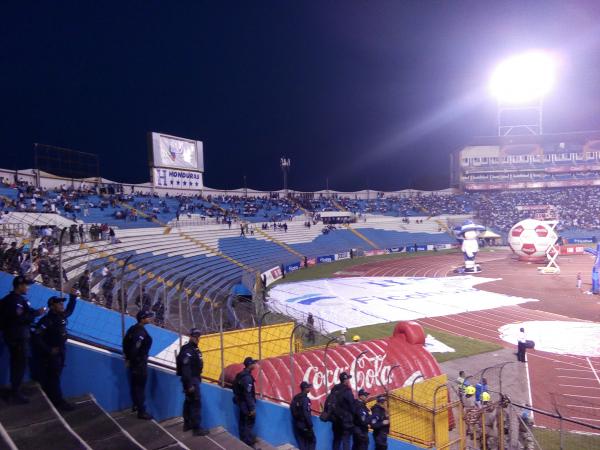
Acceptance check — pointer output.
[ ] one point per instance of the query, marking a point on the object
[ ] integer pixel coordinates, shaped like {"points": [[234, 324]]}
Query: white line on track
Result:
{"points": [[566, 368], [579, 387], [529, 386], [593, 370], [579, 396], [581, 406], [585, 419], [575, 378]]}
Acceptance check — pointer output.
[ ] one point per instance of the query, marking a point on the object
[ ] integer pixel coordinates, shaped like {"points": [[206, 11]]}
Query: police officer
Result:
{"points": [[302, 418], [245, 398], [136, 346], [362, 418], [17, 315], [342, 423], [49, 348], [189, 368], [380, 423]]}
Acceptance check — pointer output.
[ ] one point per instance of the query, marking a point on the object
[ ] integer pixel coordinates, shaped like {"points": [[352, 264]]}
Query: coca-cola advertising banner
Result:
{"points": [[370, 363]]}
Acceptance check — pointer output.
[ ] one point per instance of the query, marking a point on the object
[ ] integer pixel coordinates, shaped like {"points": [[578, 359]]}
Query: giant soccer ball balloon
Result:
{"points": [[530, 239]]}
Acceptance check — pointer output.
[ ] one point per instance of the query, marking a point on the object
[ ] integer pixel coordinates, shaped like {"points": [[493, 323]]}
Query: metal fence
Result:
{"points": [[505, 424]]}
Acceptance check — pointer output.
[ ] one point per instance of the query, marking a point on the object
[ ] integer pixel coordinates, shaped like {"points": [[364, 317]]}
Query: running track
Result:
{"points": [[564, 383]]}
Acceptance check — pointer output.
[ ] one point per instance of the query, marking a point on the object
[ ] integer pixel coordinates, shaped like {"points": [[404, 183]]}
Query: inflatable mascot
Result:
{"points": [[595, 269], [468, 234]]}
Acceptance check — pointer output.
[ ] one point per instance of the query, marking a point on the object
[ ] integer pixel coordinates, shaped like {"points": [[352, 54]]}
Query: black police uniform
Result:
{"points": [[191, 370], [380, 430], [245, 398], [342, 418], [136, 346], [17, 317], [49, 350], [362, 418], [302, 419]]}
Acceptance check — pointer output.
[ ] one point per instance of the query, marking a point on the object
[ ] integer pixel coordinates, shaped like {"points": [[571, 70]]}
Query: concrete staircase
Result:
{"points": [[149, 433], [37, 425], [97, 428], [217, 439]]}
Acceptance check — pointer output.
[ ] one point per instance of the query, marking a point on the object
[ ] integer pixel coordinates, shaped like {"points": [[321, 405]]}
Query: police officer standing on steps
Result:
{"points": [[189, 368], [302, 418], [245, 398], [342, 422], [49, 348], [362, 419], [136, 346], [380, 423], [16, 316]]}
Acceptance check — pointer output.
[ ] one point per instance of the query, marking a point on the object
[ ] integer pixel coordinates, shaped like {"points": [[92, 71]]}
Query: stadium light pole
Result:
{"points": [[519, 85], [285, 164]]}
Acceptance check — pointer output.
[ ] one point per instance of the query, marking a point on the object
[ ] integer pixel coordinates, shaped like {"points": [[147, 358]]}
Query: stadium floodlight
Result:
{"points": [[524, 78]]}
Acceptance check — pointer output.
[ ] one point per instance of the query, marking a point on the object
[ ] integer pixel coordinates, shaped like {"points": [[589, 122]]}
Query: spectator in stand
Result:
{"points": [[107, 289], [83, 284], [310, 324], [143, 300], [81, 233]]}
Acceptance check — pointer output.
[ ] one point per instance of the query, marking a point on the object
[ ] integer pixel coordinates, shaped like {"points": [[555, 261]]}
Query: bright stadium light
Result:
{"points": [[524, 78]]}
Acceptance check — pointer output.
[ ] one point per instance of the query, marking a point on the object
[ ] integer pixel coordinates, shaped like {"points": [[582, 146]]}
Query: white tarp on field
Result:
{"points": [[557, 336], [353, 302], [432, 345]]}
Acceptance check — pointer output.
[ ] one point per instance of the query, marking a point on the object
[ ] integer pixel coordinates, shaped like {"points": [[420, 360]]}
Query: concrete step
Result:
{"points": [[96, 427], [37, 425], [286, 447], [217, 439], [6, 443], [149, 433]]}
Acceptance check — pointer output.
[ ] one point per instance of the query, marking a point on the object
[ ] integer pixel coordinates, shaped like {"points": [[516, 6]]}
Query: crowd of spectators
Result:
{"points": [[575, 208]]}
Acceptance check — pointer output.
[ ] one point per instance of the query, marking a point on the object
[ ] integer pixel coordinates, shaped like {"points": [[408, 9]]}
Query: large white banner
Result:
{"points": [[357, 301], [176, 178], [181, 153]]}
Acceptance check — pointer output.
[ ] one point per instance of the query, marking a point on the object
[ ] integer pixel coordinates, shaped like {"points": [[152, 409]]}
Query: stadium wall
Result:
{"points": [[91, 369], [50, 181]]}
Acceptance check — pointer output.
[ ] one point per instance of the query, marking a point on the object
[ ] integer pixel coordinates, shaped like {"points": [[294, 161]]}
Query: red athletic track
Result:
{"points": [[570, 384]]}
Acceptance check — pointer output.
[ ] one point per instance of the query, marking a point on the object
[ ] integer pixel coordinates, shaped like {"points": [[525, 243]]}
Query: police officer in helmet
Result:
{"points": [[302, 418], [380, 423], [136, 346], [49, 348], [362, 419], [245, 398], [16, 317], [189, 368]]}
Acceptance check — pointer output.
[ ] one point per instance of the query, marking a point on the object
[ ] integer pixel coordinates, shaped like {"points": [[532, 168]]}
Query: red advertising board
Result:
{"points": [[572, 249], [377, 365]]}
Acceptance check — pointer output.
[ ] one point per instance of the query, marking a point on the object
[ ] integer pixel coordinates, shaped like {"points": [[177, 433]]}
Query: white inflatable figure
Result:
{"points": [[468, 233]]}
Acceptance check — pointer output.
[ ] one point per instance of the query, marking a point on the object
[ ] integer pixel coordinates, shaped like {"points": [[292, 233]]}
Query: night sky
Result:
{"points": [[367, 93]]}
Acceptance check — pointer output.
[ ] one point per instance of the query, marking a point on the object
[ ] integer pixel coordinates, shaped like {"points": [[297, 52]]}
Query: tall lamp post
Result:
{"points": [[285, 164], [519, 84]]}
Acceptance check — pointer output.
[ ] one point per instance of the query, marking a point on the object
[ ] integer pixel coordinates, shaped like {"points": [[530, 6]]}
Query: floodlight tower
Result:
{"points": [[519, 84], [285, 164]]}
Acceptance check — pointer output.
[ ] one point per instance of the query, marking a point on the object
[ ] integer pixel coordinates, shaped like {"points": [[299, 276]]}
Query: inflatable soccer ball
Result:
{"points": [[530, 239]]}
